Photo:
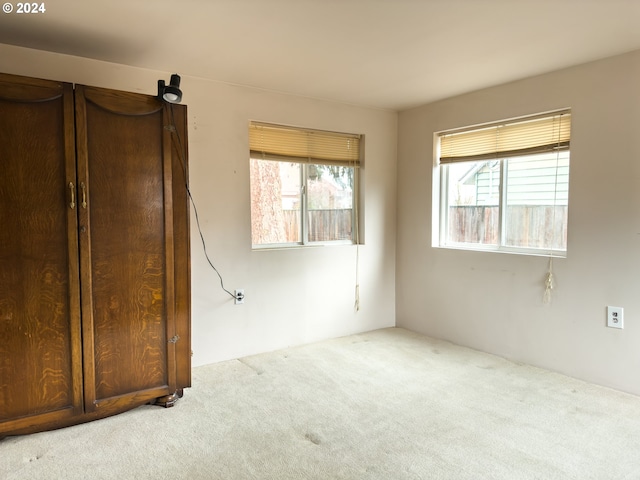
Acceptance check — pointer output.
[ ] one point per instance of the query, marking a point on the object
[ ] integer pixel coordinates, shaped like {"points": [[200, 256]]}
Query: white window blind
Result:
{"points": [[276, 142], [548, 133]]}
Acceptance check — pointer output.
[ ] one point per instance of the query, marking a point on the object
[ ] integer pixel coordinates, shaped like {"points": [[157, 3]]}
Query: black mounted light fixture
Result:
{"points": [[170, 93]]}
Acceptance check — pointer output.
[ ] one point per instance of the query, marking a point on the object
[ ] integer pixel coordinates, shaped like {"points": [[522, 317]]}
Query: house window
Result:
{"points": [[504, 187], [303, 186]]}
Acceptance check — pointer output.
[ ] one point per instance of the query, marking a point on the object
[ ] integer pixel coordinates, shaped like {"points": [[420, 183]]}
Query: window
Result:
{"points": [[504, 187], [303, 186]]}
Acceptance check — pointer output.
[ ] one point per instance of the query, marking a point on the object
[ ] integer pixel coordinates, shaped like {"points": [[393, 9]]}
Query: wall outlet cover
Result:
{"points": [[615, 317], [239, 296]]}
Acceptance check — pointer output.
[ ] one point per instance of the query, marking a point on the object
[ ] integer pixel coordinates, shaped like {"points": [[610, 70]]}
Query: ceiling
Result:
{"points": [[389, 54]]}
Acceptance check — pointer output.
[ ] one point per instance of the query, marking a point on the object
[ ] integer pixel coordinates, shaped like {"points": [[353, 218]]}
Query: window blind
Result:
{"points": [[276, 142], [507, 139]]}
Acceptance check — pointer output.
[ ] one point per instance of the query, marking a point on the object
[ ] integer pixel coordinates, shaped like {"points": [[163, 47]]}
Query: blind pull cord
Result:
{"points": [[549, 281]]}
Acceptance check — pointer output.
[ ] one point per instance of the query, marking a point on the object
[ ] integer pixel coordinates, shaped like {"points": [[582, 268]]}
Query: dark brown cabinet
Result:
{"points": [[94, 253]]}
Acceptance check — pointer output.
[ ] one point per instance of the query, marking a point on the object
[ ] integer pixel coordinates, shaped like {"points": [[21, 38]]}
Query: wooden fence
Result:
{"points": [[324, 225], [534, 226]]}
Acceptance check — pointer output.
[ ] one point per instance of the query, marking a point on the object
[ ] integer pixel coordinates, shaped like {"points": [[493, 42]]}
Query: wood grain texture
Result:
{"points": [[126, 239], [90, 294], [37, 297], [29, 90], [122, 103]]}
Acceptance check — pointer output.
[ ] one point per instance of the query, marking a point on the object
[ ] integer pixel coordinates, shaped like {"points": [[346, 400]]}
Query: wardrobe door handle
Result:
{"points": [[84, 195], [72, 204]]}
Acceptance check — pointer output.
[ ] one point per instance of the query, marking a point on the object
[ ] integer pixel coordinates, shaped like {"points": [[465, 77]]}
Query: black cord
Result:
{"points": [[180, 148]]}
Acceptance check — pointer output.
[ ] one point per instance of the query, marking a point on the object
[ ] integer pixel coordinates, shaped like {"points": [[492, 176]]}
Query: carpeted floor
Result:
{"points": [[388, 404]]}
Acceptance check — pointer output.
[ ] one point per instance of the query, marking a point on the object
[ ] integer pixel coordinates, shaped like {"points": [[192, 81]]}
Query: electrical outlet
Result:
{"points": [[615, 317], [239, 296]]}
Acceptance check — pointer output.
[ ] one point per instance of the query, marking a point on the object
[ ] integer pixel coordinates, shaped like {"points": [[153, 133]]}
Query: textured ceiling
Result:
{"points": [[391, 54]]}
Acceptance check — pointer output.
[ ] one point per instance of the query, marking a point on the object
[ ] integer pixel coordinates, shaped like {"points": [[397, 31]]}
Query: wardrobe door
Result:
{"points": [[126, 249], [40, 346]]}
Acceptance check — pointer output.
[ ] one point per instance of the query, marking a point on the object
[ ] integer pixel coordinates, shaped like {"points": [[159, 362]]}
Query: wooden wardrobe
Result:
{"points": [[94, 253]]}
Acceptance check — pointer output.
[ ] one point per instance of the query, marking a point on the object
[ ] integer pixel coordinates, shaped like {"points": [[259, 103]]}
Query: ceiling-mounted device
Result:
{"points": [[170, 93]]}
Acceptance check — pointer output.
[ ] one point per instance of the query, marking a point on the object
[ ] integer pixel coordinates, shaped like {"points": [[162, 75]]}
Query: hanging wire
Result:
{"points": [[179, 146]]}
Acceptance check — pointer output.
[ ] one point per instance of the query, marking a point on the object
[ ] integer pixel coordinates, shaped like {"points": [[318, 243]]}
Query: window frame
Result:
{"points": [[440, 211], [323, 150]]}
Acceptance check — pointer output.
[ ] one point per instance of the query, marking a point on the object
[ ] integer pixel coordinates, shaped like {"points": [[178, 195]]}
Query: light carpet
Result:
{"points": [[388, 404]]}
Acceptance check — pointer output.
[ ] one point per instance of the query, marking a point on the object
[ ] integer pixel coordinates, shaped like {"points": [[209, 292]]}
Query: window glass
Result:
{"points": [[275, 202], [473, 198], [300, 203], [536, 201], [329, 203]]}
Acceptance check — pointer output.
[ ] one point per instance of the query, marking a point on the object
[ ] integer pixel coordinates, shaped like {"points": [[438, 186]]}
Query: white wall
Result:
{"points": [[493, 302], [292, 296]]}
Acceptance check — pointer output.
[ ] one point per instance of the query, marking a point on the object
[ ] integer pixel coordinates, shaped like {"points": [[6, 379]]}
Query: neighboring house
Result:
{"points": [[532, 181]]}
